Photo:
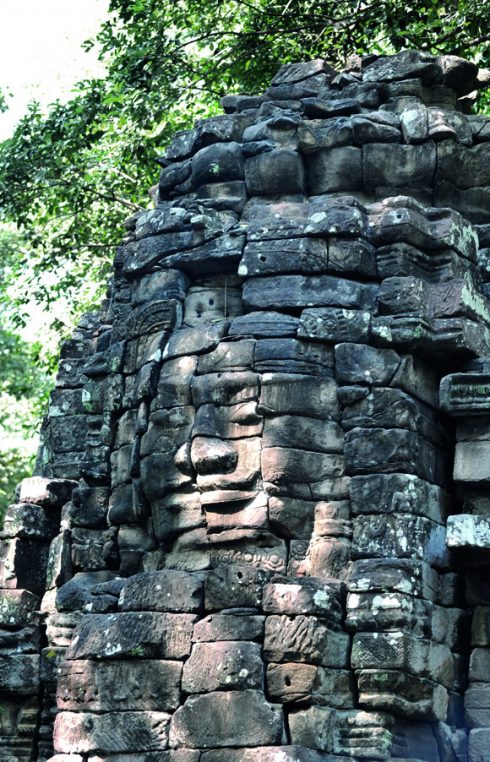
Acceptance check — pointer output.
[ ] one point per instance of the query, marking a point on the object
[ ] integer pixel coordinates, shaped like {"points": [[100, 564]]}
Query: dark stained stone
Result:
{"points": [[334, 169], [275, 172], [150, 685], [127, 635], [225, 712]]}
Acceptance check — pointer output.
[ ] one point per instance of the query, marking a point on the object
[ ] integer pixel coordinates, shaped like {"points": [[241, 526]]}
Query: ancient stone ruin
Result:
{"points": [[260, 529]]}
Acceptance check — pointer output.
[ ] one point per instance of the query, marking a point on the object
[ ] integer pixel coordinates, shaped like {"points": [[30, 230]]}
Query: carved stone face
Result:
{"points": [[239, 451]]}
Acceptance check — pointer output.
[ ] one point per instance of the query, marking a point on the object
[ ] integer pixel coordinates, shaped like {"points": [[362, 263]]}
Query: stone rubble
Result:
{"points": [[260, 525]]}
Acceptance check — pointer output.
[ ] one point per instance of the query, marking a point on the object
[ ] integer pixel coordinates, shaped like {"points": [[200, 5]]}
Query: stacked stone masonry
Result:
{"points": [[260, 529]]}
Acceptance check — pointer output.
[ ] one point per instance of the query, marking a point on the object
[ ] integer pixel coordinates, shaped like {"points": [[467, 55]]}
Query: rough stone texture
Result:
{"points": [[225, 713], [259, 525]]}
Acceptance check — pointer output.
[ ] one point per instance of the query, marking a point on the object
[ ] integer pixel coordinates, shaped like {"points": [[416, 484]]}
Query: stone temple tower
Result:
{"points": [[260, 525]]}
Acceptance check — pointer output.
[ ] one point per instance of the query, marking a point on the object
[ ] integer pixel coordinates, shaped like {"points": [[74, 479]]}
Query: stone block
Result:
{"points": [[337, 217], [223, 464], [314, 135], [312, 728], [176, 513], [23, 564], [162, 284], [471, 462], [60, 626], [415, 740], [81, 732], [407, 168], [321, 557], [478, 744], [287, 394], [398, 493], [29, 521], [285, 465], [203, 304], [223, 665], [367, 130], [404, 259], [234, 585], [294, 683], [177, 755], [160, 475], [264, 324], [130, 634], [310, 255], [277, 172], [468, 166], [268, 754], [477, 705], [480, 627], [231, 195], [468, 532], [402, 695], [89, 506], [225, 713], [18, 608], [298, 72], [358, 364], [307, 595], [88, 548], [362, 734], [400, 651], [290, 517], [219, 162], [42, 490], [19, 674], [332, 325], [122, 685], [26, 640], [236, 515], [304, 639], [357, 257], [392, 451], [465, 394], [404, 575], [193, 340], [393, 408], [166, 590], [68, 433], [388, 611], [334, 169], [228, 356], [52, 658], [229, 389], [229, 627], [292, 356], [80, 591], [400, 536], [479, 669], [292, 291]]}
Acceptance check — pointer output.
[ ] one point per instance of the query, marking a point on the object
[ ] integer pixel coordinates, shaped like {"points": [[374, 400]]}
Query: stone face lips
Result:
{"points": [[256, 562]]}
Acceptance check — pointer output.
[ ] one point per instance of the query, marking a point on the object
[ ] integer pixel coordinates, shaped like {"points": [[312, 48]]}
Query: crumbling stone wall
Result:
{"points": [[260, 529]]}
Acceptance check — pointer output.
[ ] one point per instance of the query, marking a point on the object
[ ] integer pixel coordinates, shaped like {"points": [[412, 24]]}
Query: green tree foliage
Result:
{"points": [[25, 381]]}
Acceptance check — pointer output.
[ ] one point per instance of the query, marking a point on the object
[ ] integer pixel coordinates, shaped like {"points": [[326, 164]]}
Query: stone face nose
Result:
{"points": [[210, 455]]}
